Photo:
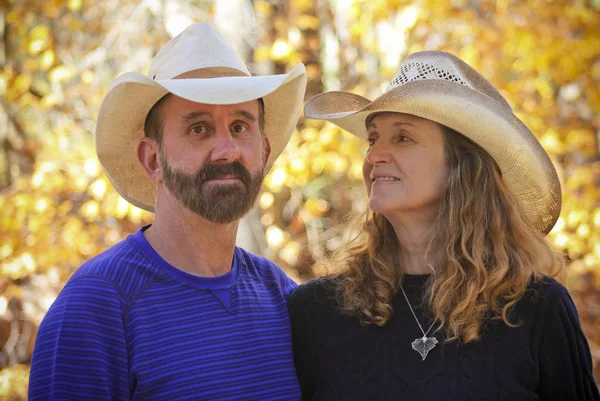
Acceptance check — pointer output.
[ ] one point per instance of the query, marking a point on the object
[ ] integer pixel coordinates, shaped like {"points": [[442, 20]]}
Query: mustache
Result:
{"points": [[212, 171]]}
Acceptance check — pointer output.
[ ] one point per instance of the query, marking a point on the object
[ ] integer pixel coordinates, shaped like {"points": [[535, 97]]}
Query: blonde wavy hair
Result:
{"points": [[483, 252]]}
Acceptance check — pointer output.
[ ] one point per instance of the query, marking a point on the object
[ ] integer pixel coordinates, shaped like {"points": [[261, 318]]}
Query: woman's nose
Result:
{"points": [[378, 154]]}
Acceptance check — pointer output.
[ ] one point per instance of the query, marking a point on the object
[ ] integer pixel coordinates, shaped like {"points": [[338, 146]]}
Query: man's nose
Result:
{"points": [[226, 149]]}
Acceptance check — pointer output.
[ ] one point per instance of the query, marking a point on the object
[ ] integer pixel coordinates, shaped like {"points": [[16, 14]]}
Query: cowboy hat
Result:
{"points": [[440, 87], [200, 66]]}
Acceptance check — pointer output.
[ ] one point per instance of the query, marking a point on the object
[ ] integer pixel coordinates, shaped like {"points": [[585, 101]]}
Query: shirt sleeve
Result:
{"points": [[564, 353], [286, 284], [299, 307], [80, 351]]}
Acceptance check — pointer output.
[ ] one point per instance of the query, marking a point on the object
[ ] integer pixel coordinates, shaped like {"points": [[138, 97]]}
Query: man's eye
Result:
{"points": [[238, 128], [198, 129]]}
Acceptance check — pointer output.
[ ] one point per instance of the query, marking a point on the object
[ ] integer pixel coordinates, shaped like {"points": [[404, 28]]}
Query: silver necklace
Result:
{"points": [[424, 344]]}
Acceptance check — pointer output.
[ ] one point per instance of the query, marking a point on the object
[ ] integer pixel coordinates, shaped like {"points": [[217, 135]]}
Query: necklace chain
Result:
{"points": [[415, 316]]}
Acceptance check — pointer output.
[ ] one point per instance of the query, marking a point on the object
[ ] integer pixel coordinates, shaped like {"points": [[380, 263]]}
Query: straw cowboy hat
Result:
{"points": [[200, 66], [440, 87]]}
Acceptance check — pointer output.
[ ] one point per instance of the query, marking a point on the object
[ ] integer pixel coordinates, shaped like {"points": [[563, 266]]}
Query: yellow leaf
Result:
{"points": [[52, 8], [90, 210], [98, 189], [276, 179], [50, 100], [302, 5], [261, 54], [266, 200], [92, 167], [275, 236], [39, 39], [305, 21], [47, 59], [74, 5], [267, 219], [280, 50], [22, 83], [5, 251], [31, 64], [87, 77], [60, 73], [13, 17], [262, 7], [290, 252]]}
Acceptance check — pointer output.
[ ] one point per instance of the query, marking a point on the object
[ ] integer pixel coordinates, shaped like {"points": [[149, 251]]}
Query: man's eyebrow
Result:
{"points": [[245, 114], [196, 114], [193, 115]]}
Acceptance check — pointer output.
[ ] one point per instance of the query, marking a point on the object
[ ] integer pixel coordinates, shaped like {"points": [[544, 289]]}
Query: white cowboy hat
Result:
{"points": [[440, 87], [200, 66]]}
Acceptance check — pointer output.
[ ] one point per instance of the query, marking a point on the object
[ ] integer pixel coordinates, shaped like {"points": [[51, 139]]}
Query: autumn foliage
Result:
{"points": [[58, 57]]}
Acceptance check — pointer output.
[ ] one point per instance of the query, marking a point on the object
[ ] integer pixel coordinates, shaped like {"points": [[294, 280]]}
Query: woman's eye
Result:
{"points": [[402, 138], [371, 141], [238, 128]]}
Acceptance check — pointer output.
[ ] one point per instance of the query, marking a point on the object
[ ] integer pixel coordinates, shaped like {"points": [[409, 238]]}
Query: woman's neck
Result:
{"points": [[414, 239]]}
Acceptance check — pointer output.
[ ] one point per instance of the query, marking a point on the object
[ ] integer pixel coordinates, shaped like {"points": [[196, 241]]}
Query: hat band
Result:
{"points": [[421, 71]]}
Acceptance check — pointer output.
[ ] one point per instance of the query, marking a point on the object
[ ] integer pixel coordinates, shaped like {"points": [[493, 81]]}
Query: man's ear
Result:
{"points": [[267, 151], [148, 154]]}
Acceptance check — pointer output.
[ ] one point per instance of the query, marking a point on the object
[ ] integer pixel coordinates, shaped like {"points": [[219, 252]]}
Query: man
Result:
{"points": [[176, 311]]}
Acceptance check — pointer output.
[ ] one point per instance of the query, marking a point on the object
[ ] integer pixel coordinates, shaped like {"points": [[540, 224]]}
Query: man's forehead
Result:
{"points": [[187, 105], [237, 112]]}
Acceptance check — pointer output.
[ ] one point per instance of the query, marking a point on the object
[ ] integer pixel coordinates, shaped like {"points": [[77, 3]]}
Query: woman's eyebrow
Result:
{"points": [[396, 124], [399, 123]]}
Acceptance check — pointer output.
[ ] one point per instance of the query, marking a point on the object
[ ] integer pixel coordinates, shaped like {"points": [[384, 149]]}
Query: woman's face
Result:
{"points": [[405, 170]]}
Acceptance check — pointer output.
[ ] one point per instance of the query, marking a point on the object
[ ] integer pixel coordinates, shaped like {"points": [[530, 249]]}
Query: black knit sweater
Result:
{"points": [[545, 358]]}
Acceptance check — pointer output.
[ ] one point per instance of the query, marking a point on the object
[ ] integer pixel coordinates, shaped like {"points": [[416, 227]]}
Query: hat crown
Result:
{"points": [[198, 47], [437, 65]]}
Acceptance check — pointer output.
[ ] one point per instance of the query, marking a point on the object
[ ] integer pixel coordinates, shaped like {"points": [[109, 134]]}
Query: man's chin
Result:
{"points": [[221, 218], [223, 182], [221, 208]]}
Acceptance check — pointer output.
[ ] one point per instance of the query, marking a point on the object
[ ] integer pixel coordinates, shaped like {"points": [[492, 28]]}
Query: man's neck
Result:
{"points": [[191, 243]]}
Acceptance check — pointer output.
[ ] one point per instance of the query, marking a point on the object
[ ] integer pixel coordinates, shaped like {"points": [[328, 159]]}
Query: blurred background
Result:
{"points": [[58, 57]]}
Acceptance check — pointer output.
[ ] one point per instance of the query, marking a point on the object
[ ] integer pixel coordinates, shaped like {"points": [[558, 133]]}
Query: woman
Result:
{"points": [[448, 295]]}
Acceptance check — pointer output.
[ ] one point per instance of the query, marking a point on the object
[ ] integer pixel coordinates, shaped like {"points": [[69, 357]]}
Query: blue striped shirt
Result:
{"points": [[129, 326]]}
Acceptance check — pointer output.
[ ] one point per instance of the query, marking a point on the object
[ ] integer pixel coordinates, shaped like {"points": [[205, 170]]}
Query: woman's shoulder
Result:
{"points": [[318, 290], [547, 299], [546, 289]]}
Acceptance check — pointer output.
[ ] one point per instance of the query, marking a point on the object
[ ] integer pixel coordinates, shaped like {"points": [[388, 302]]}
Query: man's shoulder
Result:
{"points": [[124, 265], [264, 270], [260, 264]]}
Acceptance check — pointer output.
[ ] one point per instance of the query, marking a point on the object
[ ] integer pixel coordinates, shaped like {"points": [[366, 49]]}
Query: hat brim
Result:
{"points": [[526, 168], [120, 125]]}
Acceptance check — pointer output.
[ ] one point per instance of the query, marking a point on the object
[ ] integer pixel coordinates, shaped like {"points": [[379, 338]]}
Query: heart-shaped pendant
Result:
{"points": [[423, 345]]}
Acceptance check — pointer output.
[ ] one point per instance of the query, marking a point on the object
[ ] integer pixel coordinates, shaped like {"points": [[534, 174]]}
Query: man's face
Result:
{"points": [[212, 157]]}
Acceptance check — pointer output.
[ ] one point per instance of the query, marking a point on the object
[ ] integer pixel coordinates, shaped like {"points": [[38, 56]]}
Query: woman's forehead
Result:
{"points": [[391, 117], [393, 121]]}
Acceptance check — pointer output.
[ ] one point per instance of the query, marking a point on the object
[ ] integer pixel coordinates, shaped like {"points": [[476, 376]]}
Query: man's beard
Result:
{"points": [[222, 203]]}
